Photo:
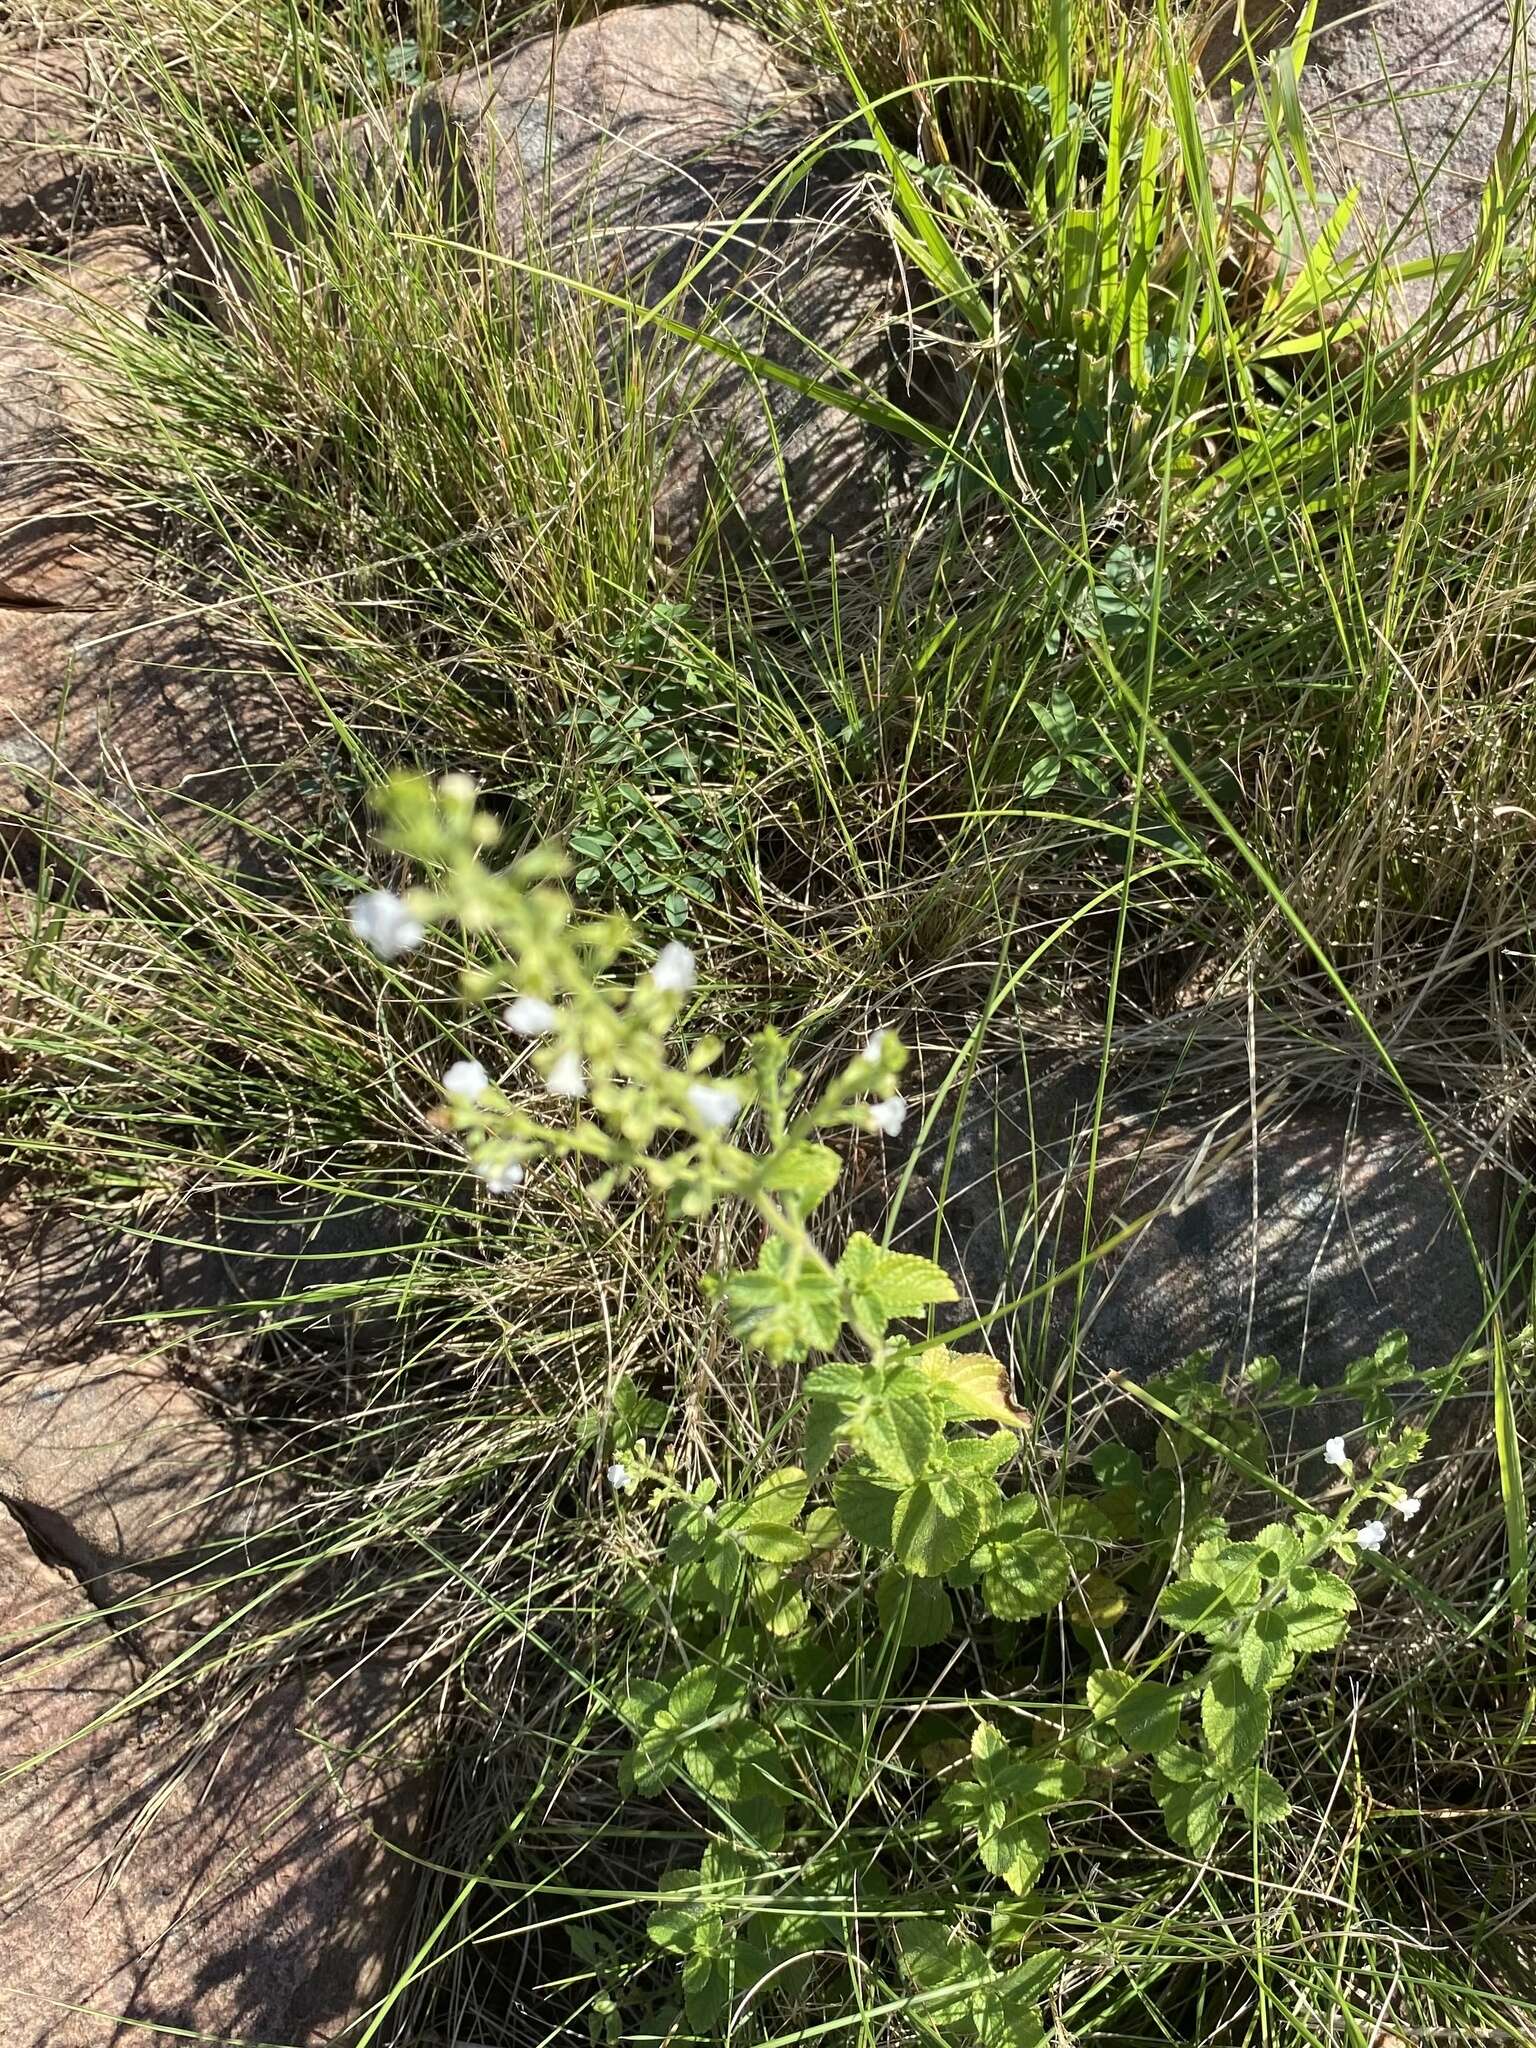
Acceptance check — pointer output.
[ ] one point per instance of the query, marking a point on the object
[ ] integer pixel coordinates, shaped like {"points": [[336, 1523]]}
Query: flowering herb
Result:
{"points": [[772, 1616]]}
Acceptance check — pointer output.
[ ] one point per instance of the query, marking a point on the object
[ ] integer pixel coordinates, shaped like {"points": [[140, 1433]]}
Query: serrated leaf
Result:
{"points": [[778, 1602], [1180, 1764], [1028, 1575], [1014, 1849], [1263, 1650], [1106, 1689], [1194, 1812], [1317, 1611], [802, 1175], [902, 1434], [1147, 1719], [763, 1524], [1279, 1549], [936, 1524], [1261, 1798], [885, 1286], [1194, 1609], [1235, 1718], [973, 1389], [786, 1306], [981, 1455], [865, 1507], [917, 1612]]}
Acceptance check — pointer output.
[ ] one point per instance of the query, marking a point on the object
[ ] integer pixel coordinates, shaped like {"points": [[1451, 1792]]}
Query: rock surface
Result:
{"points": [[1408, 100], [641, 149], [222, 1873], [49, 123], [56, 548], [1335, 1232], [237, 1894], [125, 716]]}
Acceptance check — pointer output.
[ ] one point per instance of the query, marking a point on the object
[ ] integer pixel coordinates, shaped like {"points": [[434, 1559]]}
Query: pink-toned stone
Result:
{"points": [[50, 114], [215, 1857], [152, 1878], [58, 545]]}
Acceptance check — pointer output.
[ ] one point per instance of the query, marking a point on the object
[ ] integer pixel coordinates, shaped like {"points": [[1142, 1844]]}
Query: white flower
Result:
{"points": [[1334, 1452], [618, 1477], [1409, 1506], [874, 1046], [890, 1115], [529, 1016], [381, 920], [673, 971], [715, 1106], [567, 1077], [1371, 1535], [467, 1080], [502, 1176]]}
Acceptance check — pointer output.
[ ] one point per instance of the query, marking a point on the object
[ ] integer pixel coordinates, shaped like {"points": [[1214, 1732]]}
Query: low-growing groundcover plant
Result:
{"points": [[874, 1695]]}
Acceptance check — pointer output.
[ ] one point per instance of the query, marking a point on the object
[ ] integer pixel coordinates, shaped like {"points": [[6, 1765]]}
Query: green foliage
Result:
{"points": [[779, 1616]]}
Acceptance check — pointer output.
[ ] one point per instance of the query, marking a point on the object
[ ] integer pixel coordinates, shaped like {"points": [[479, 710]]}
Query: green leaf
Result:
{"points": [[902, 1434], [763, 1524], [884, 1286], [1193, 1811], [936, 1525], [1147, 1719], [1028, 1575], [786, 1307], [1013, 1847], [1106, 1689], [888, 1411], [1181, 1765], [706, 1990], [1317, 1611], [1194, 1609], [865, 1506], [1264, 1651], [1260, 1797], [1231, 1567], [1279, 1549], [1235, 1718], [917, 1612], [1011, 1791], [802, 1174], [778, 1602], [972, 1389], [692, 1901]]}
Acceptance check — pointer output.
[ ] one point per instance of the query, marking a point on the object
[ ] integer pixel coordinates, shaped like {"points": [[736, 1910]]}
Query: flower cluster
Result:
{"points": [[1373, 1534], [603, 1049]]}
